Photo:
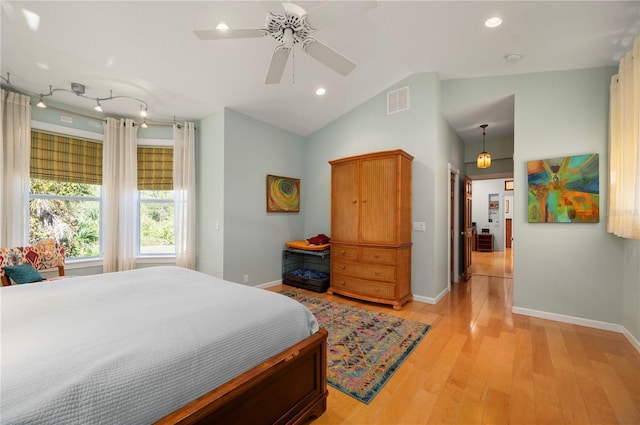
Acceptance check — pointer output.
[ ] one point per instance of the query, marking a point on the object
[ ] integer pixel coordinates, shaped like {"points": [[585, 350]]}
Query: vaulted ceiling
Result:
{"points": [[148, 50]]}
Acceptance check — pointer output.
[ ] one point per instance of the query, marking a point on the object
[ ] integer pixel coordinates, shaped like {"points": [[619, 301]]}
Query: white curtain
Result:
{"points": [[15, 154], [184, 187], [624, 147], [119, 194]]}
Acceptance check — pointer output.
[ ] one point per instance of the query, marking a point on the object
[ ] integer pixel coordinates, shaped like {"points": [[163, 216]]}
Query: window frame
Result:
{"points": [[99, 137], [75, 133], [140, 257]]}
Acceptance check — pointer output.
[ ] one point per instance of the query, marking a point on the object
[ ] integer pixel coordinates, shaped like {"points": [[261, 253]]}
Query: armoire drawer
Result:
{"points": [[344, 251], [378, 255], [365, 270], [358, 286]]}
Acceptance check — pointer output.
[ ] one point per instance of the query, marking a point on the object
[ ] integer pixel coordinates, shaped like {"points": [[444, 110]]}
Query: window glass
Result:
{"points": [[67, 212], [156, 215]]}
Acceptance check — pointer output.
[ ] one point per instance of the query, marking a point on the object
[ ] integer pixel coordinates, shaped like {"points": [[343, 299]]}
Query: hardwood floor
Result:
{"points": [[481, 364]]}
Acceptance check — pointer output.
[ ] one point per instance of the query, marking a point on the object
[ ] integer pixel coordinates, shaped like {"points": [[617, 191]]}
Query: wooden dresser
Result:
{"points": [[485, 242], [371, 227]]}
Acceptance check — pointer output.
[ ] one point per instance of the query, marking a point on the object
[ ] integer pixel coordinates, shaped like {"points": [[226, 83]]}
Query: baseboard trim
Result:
{"points": [[269, 284], [596, 324], [632, 339], [430, 300]]}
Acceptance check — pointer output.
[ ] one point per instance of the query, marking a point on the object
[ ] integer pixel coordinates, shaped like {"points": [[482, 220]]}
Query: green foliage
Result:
{"points": [[75, 223], [157, 228]]}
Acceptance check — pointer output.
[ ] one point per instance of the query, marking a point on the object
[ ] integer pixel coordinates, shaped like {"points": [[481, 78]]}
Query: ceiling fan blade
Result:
{"points": [[230, 33], [331, 12], [278, 62], [328, 56]]}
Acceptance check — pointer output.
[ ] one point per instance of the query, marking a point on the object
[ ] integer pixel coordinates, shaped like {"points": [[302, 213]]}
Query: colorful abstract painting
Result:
{"points": [[564, 190], [283, 194]]}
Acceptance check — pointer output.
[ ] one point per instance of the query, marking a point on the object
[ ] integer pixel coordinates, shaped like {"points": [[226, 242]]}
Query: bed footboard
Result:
{"points": [[289, 388]]}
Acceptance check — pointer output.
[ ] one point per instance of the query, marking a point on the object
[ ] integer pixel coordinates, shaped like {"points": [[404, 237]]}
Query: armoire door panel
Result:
{"points": [[345, 202], [379, 200]]}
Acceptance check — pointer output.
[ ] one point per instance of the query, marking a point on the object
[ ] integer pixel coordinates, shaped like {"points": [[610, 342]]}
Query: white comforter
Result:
{"points": [[131, 347]]}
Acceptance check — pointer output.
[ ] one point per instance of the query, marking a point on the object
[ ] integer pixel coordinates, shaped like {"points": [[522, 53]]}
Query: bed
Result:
{"points": [[161, 345]]}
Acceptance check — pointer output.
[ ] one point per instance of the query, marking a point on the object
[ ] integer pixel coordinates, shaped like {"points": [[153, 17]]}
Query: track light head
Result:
{"points": [[98, 107], [41, 103]]}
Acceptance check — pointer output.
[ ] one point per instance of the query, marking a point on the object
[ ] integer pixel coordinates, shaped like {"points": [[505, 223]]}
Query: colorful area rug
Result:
{"points": [[365, 347]]}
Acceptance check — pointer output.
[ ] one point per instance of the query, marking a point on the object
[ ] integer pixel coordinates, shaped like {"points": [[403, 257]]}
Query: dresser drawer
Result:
{"points": [[378, 255], [358, 286], [344, 251], [365, 270]]}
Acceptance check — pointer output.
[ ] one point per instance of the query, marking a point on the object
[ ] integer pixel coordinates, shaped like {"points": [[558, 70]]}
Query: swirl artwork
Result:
{"points": [[283, 194]]}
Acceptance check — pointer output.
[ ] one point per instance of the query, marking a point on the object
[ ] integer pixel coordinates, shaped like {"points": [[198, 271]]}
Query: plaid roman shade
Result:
{"points": [[155, 168], [67, 159]]}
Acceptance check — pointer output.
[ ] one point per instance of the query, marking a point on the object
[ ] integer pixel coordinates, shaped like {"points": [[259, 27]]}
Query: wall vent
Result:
{"points": [[398, 100]]}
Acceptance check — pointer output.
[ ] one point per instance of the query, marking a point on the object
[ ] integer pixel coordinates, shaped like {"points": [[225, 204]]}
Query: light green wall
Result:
{"points": [[421, 132], [253, 238], [210, 177], [569, 269], [631, 287]]}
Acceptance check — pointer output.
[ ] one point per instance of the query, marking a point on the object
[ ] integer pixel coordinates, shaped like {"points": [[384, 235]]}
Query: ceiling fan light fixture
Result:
{"points": [[484, 158], [320, 91]]}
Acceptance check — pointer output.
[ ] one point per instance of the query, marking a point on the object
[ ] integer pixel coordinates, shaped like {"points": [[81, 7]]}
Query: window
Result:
{"points": [[64, 198], [155, 201]]}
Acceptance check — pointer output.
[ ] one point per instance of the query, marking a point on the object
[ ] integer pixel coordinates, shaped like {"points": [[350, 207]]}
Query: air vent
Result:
{"points": [[398, 100]]}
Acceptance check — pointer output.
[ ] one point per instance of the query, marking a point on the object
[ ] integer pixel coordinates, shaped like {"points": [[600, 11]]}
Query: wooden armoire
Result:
{"points": [[371, 227]]}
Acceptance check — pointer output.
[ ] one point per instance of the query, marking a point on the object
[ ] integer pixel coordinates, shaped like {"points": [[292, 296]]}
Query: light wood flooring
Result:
{"points": [[481, 364]]}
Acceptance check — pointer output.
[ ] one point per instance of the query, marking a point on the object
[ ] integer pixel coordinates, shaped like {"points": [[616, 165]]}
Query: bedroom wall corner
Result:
{"points": [[210, 168], [253, 238], [368, 128]]}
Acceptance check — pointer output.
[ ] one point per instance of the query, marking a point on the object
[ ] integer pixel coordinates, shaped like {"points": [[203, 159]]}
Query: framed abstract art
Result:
{"points": [[283, 194], [564, 190]]}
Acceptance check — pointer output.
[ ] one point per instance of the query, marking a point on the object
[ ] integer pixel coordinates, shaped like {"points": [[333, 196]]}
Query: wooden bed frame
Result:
{"points": [[289, 388]]}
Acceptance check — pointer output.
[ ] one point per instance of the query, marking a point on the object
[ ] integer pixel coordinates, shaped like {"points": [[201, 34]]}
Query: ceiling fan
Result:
{"points": [[294, 26]]}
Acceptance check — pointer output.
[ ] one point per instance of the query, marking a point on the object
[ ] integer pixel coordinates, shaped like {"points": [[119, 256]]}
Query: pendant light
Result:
{"points": [[484, 157]]}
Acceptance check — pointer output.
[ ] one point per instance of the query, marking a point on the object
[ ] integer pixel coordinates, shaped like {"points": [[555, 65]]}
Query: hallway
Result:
{"points": [[496, 263]]}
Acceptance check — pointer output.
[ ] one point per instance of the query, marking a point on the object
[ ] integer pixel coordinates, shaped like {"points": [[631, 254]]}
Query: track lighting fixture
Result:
{"points": [[40, 103], [78, 89], [144, 123]]}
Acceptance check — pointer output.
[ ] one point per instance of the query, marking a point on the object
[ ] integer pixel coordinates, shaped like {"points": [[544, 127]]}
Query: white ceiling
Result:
{"points": [[147, 50]]}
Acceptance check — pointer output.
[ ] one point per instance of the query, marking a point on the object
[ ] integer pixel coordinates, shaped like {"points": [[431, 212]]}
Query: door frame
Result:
{"points": [[453, 241]]}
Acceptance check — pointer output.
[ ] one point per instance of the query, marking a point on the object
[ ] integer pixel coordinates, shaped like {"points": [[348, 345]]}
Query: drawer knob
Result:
{"points": [[376, 273], [342, 267], [342, 252]]}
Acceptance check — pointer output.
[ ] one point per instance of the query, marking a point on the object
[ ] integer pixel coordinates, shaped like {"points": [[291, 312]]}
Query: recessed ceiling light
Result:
{"points": [[320, 91], [512, 57], [493, 22], [222, 26]]}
